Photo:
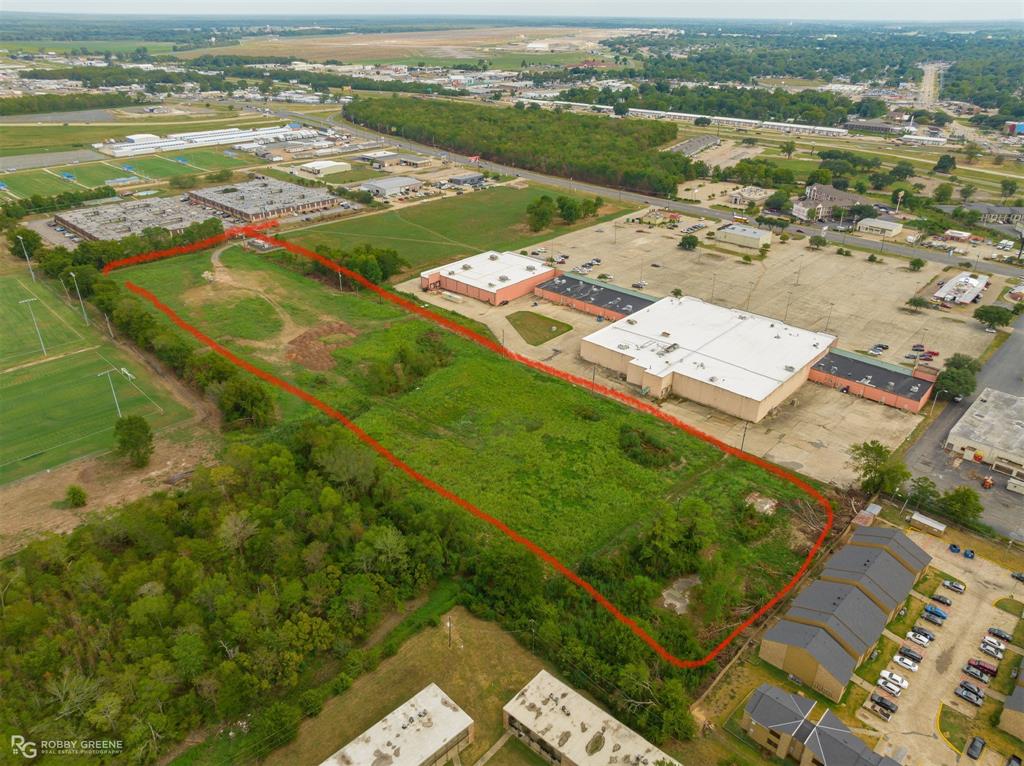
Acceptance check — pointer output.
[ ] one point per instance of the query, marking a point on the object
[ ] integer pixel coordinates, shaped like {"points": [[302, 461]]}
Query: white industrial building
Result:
{"points": [[965, 287], [325, 167], [992, 432], [395, 186], [564, 727], [492, 277], [139, 144], [911, 138], [879, 226], [740, 363], [428, 729], [744, 236]]}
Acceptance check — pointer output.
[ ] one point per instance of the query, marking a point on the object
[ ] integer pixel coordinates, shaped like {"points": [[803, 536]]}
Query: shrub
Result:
{"points": [[645, 448], [75, 497]]}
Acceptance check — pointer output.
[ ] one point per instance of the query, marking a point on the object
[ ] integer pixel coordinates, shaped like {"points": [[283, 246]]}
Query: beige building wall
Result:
{"points": [[777, 743], [800, 664]]}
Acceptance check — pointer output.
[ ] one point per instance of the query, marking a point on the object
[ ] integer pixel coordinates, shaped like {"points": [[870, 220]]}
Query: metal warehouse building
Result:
{"points": [[126, 218], [428, 729], [737, 362], [744, 236], [491, 277], [264, 198], [395, 186], [992, 431]]}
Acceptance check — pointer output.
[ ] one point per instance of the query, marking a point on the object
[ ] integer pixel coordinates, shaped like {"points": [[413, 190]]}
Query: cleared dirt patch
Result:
{"points": [[313, 348], [676, 597]]}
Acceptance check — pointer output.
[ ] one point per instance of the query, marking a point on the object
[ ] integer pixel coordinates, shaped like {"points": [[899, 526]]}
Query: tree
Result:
{"points": [[246, 402], [763, 250], [702, 122], [943, 193], [134, 439], [967, 191], [917, 302], [963, 362], [972, 151], [902, 170], [1008, 187], [946, 164], [878, 468], [818, 241], [961, 504], [916, 264], [787, 148], [75, 497], [993, 316], [953, 382], [677, 293], [621, 108], [271, 728], [924, 495], [570, 209], [541, 212], [689, 242], [22, 241], [778, 201]]}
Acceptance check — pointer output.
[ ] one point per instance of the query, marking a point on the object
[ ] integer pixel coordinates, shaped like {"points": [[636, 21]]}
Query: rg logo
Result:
{"points": [[26, 748]]}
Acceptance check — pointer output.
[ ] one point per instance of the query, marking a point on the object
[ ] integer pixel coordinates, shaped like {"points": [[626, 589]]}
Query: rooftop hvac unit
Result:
{"points": [[466, 267], [622, 346], [630, 321], [531, 268], [503, 278], [492, 257], [665, 333], [713, 379]]}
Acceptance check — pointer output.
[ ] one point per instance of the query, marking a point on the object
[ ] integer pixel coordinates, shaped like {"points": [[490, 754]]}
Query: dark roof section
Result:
{"points": [[848, 615], [607, 297], [777, 709], [835, 745], [1016, 700], [885, 377], [816, 642], [874, 570], [902, 548]]}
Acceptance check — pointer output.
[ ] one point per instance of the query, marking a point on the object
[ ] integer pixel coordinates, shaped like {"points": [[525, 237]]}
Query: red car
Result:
{"points": [[932, 353]]}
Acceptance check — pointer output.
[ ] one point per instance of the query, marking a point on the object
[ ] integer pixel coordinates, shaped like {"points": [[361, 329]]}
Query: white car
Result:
{"points": [[905, 663], [994, 642], [892, 688], [918, 639], [895, 678], [991, 651]]}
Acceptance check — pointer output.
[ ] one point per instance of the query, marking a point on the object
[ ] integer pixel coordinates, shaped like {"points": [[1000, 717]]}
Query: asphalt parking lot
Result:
{"points": [[914, 728]]}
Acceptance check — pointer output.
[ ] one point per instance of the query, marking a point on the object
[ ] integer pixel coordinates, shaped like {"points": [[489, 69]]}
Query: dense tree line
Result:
{"points": [[618, 153], [324, 81], [153, 80], [49, 102], [14, 209], [991, 81], [749, 103]]}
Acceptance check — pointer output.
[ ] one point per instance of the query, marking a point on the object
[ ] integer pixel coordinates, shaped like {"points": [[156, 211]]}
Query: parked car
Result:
{"points": [[906, 663], [1018, 576], [936, 611], [1000, 634], [885, 715], [972, 688], [917, 347], [962, 693], [968, 553], [954, 585], [977, 674], [954, 548], [892, 688], [994, 642], [946, 600], [991, 651], [923, 632], [895, 678], [911, 654], [984, 666], [884, 703], [975, 749], [933, 619], [1013, 760], [918, 639]]}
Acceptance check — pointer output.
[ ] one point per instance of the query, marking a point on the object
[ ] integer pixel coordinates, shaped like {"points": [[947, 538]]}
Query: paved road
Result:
{"points": [[1004, 372], [338, 122]]}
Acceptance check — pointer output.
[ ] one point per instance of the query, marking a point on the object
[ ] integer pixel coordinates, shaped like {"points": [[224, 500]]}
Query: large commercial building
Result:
{"points": [[992, 432], [491, 277], [146, 143], [834, 623], [744, 236], [564, 728], [592, 297], [998, 213], [792, 726], [428, 730], [821, 199], [264, 198], [879, 226], [873, 379], [394, 186], [125, 218], [737, 362], [965, 287]]}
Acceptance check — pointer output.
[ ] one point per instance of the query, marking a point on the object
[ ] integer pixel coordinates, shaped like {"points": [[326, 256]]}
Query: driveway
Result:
{"points": [[1004, 372], [914, 727]]}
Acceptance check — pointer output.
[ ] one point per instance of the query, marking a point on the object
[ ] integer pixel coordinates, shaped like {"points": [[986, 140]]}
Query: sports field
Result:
{"points": [[213, 159], [54, 407], [493, 219], [156, 168], [31, 182], [92, 174]]}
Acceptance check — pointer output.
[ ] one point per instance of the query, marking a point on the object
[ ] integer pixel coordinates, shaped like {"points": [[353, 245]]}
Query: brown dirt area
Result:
{"points": [[313, 348]]}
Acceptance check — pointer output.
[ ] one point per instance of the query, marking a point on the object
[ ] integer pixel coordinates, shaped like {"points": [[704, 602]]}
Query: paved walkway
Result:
{"points": [[494, 748]]}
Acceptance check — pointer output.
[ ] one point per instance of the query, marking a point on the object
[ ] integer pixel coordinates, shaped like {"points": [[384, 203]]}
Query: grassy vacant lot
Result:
{"points": [[92, 174], [494, 219], [955, 726], [1016, 608], [30, 182], [535, 328], [57, 409], [213, 159]]}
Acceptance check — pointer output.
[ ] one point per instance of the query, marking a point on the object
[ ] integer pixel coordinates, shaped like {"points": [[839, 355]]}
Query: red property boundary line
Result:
{"points": [[255, 232]]}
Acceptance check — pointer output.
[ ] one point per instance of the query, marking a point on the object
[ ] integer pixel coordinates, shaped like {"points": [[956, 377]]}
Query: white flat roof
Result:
{"points": [[392, 182], [747, 354], [963, 288], [995, 420], [747, 231], [409, 734], [577, 728], [492, 270]]}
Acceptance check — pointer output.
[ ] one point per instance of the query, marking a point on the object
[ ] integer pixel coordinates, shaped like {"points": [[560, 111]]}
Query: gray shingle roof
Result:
{"points": [[835, 745], [777, 709], [909, 553], [843, 610], [816, 642], [875, 571], [1016, 700]]}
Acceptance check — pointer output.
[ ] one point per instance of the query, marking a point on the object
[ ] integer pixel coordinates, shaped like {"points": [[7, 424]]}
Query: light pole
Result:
{"points": [[112, 391], [81, 303], [31, 313], [934, 400], [27, 259], [829, 317]]}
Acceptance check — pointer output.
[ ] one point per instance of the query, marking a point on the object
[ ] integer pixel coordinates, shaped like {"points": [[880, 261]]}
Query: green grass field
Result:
{"points": [[494, 219], [100, 46], [157, 168], [29, 182], [61, 330], [535, 328], [92, 174], [213, 159]]}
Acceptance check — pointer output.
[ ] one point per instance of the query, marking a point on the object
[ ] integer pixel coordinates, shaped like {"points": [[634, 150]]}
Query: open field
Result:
{"points": [[61, 330], [30, 182], [157, 168], [63, 46], [213, 159], [501, 45], [493, 219], [92, 174]]}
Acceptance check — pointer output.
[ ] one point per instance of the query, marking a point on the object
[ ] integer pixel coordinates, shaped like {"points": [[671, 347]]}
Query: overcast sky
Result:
{"points": [[911, 10]]}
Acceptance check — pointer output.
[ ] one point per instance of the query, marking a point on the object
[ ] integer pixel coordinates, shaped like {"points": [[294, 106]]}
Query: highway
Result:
{"points": [[839, 238]]}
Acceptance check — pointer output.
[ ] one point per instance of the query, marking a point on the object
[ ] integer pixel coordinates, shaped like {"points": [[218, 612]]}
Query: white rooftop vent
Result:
{"points": [[665, 333], [466, 267], [531, 268]]}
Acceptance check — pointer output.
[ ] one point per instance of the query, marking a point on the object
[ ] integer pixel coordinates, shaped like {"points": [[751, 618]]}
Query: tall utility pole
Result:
{"points": [[31, 313], [27, 259], [110, 380], [81, 303]]}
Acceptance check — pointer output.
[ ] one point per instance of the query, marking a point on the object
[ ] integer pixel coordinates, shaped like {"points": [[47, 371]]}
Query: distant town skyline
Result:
{"points": [[796, 10]]}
